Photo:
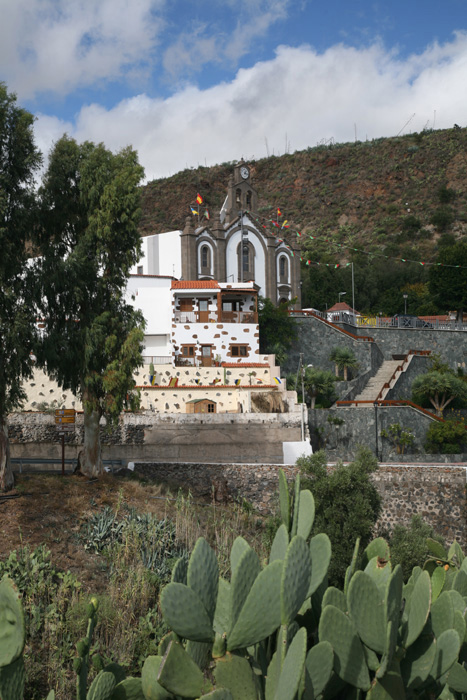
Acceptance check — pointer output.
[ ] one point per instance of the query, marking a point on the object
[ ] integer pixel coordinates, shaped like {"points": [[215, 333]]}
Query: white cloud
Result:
{"points": [[300, 97], [47, 45]]}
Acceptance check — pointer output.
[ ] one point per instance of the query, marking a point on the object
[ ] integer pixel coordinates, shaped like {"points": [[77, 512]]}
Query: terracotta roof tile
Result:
{"points": [[245, 364], [195, 284]]}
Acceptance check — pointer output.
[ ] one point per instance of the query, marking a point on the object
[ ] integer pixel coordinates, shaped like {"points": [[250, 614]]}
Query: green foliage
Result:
{"points": [[439, 389], [89, 239], [442, 218], [19, 161], [319, 386], [448, 279], [154, 539], [344, 359], [277, 329], [446, 194], [277, 631], [347, 504], [448, 437], [401, 439], [408, 544]]}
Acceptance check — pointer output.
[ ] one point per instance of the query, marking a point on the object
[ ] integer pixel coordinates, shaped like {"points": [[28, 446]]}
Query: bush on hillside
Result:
{"points": [[347, 504]]}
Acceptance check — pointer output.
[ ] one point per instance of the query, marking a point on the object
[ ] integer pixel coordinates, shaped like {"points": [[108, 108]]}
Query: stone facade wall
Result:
{"points": [[436, 493]]}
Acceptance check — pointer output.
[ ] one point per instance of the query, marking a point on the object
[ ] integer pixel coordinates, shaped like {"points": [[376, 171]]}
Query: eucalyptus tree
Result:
{"points": [[19, 161], [89, 241]]}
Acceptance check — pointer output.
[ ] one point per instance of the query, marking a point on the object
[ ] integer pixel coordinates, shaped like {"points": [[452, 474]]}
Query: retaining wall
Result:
{"points": [[437, 493]]}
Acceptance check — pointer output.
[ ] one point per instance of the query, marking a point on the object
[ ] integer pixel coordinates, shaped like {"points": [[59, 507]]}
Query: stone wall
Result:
{"points": [[363, 426], [244, 437], [436, 493]]}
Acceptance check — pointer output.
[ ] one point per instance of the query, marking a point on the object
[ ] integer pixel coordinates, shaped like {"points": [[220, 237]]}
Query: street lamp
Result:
{"points": [[341, 294], [405, 303]]}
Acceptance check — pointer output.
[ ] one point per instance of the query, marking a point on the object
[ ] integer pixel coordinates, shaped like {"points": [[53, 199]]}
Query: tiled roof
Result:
{"points": [[340, 306], [195, 284]]}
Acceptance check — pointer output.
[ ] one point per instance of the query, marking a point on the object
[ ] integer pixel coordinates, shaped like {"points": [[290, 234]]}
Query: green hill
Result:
{"points": [[400, 197]]}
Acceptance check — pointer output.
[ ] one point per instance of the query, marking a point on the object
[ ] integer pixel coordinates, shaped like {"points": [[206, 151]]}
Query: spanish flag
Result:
{"points": [[279, 213], [199, 199]]}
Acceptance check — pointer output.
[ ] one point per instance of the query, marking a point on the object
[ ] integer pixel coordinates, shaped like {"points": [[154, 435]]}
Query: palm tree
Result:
{"points": [[344, 359], [319, 383]]}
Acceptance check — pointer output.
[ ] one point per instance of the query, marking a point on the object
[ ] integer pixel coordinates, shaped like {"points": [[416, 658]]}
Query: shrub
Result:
{"points": [[446, 438], [408, 544], [347, 504]]}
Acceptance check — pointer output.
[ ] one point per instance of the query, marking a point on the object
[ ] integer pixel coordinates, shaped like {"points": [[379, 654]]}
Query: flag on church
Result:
{"points": [[216, 381], [237, 382], [277, 380], [279, 213], [259, 381], [194, 211], [207, 214], [199, 199], [284, 225], [197, 381]]}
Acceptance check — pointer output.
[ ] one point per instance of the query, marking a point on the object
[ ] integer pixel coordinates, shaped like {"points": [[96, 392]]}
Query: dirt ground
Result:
{"points": [[50, 509]]}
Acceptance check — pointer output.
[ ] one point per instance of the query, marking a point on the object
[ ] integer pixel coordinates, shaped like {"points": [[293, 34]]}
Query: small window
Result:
{"points": [[203, 305], [248, 199], [239, 350], [205, 257], [188, 350], [206, 350], [211, 408], [238, 198], [139, 270]]}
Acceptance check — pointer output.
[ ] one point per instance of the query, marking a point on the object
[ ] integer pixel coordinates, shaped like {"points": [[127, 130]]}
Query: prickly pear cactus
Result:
{"points": [[12, 637]]}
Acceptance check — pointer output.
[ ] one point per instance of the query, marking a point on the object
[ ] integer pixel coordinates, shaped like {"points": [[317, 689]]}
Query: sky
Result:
{"points": [[200, 82]]}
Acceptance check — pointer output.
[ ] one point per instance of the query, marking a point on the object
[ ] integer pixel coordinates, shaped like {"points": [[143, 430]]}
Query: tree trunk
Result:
{"points": [[91, 457], [345, 373], [6, 474]]}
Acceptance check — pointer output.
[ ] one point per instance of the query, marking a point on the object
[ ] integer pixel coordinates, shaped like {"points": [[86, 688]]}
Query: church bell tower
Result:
{"points": [[241, 195]]}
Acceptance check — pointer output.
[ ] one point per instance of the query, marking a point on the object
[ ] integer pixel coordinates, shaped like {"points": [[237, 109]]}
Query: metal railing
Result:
{"points": [[157, 359], [398, 321], [212, 317]]}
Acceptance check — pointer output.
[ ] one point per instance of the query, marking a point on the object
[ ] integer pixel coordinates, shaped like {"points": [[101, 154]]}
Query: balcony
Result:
{"points": [[212, 317]]}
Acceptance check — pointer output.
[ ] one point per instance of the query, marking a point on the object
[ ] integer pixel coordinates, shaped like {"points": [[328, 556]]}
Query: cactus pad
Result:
{"points": [[261, 614], [12, 680], [296, 577], [447, 651], [11, 623], [284, 499], [417, 663], [438, 577], [349, 658], [238, 548], [377, 548], [203, 575], [235, 674], [442, 614], [457, 679], [243, 577], [367, 611], [179, 674], [218, 694], [151, 688], [185, 613], [280, 544], [292, 668], [419, 608], [222, 615], [102, 686], [179, 572], [129, 689], [320, 551], [306, 514], [333, 596], [318, 669]]}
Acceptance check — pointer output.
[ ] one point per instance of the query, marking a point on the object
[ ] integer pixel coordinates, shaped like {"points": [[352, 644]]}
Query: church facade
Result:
{"points": [[235, 248], [231, 248]]}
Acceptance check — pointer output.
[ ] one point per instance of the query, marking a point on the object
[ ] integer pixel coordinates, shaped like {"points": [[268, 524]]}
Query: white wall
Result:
{"points": [[161, 255], [232, 259]]}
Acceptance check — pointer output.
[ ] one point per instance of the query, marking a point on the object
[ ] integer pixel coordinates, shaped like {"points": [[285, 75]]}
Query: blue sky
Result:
{"points": [[189, 83]]}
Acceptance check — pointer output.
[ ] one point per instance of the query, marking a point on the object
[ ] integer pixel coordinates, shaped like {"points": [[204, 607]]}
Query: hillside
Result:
{"points": [[394, 197], [381, 192]]}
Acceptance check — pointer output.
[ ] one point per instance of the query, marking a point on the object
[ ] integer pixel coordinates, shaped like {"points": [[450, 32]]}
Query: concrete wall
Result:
{"points": [[436, 493], [256, 437]]}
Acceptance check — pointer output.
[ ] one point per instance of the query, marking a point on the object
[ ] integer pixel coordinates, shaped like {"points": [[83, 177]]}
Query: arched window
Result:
{"points": [[248, 199], [246, 262], [205, 258], [238, 199], [283, 269]]}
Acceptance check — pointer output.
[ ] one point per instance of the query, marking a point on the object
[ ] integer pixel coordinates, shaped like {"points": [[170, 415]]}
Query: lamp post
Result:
{"points": [[341, 294], [405, 303]]}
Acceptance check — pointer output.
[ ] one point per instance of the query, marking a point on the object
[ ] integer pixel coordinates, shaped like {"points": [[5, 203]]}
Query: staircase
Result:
{"points": [[375, 384]]}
